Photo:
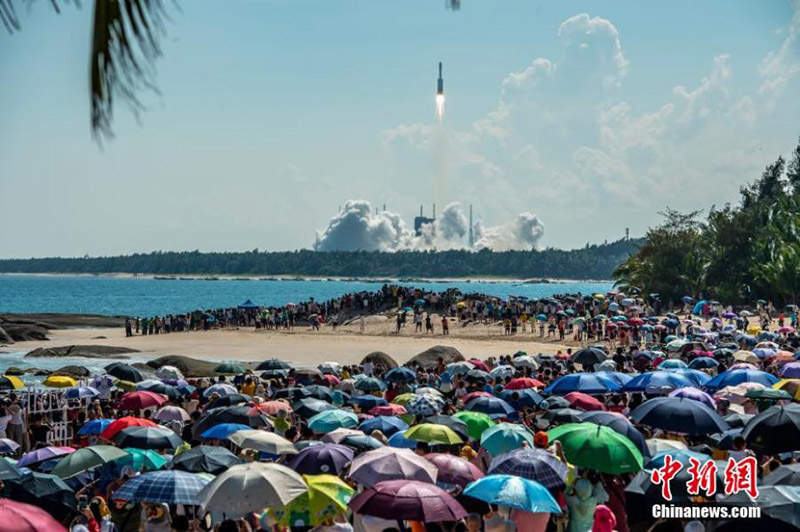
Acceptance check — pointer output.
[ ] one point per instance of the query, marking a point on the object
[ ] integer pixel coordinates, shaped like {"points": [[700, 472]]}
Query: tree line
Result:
{"points": [[590, 262], [737, 253]]}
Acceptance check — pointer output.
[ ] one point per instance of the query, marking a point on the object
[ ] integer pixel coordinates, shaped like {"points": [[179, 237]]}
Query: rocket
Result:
{"points": [[440, 81]]}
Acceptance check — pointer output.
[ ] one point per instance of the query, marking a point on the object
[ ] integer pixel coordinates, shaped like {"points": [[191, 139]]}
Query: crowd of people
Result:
{"points": [[571, 441]]}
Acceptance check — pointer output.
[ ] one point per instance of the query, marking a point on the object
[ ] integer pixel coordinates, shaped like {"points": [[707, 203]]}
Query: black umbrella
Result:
{"points": [[554, 402], [589, 356], [273, 363], [775, 430], [309, 407], [155, 438], [785, 475], [736, 421], [564, 415], [230, 400], [679, 414], [274, 374], [45, 491], [361, 442], [458, 426], [124, 372], [297, 392], [205, 459], [778, 502], [477, 375], [230, 414], [319, 392]]}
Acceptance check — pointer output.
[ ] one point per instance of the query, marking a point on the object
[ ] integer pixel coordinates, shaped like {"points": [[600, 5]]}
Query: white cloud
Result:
{"points": [[779, 67]]}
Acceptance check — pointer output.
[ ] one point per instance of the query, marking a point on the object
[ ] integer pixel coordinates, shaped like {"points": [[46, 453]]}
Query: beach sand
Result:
{"points": [[304, 347]]}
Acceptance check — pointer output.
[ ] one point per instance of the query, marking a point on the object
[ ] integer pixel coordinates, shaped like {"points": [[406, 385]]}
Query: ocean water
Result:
{"points": [[138, 296]]}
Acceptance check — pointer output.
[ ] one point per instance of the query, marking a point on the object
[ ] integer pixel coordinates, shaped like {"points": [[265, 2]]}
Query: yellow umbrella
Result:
{"points": [[791, 386], [753, 329], [599, 296], [11, 382], [128, 386], [403, 398], [59, 381], [461, 304]]}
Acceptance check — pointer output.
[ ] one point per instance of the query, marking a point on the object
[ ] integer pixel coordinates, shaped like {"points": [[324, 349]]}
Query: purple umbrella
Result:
{"points": [[694, 394], [454, 469], [45, 453], [408, 500], [791, 370], [328, 458]]}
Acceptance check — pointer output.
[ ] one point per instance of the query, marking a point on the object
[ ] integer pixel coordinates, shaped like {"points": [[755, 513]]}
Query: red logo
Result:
{"points": [[739, 476]]}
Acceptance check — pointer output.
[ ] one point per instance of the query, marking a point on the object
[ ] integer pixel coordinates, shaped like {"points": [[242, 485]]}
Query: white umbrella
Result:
{"points": [[460, 368], [501, 372], [220, 389], [525, 362], [426, 390], [251, 487], [172, 413], [261, 440], [330, 368], [338, 435], [657, 445], [169, 373]]}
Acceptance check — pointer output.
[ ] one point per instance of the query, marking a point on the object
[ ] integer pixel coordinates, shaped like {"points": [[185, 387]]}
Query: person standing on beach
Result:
{"points": [[16, 425], [445, 326]]}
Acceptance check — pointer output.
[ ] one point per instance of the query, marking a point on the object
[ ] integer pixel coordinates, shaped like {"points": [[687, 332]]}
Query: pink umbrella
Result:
{"points": [[454, 469], [388, 410], [21, 517], [408, 500], [272, 408], [479, 364], [524, 383], [338, 435], [786, 330], [330, 380], [583, 402], [141, 400]]}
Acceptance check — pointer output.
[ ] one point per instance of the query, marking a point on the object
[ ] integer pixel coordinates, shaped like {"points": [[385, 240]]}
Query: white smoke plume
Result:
{"points": [[357, 227]]}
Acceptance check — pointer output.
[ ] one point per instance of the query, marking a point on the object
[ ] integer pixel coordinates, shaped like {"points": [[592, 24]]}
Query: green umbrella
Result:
{"points": [[87, 458], [326, 497], [230, 367], [330, 420], [477, 422], [598, 448], [143, 459], [433, 433], [767, 394], [505, 437]]}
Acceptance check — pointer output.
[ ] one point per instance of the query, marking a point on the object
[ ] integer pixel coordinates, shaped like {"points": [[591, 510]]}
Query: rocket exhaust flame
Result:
{"points": [[440, 107]]}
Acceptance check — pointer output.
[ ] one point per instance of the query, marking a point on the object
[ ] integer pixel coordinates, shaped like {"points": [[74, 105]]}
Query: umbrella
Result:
{"points": [[172, 413], [619, 423], [147, 438], [251, 487], [695, 395], [124, 372], [398, 441], [79, 392], [598, 448], [656, 382], [400, 375], [533, 464], [7, 447], [140, 400], [408, 500], [582, 401], [273, 364], [588, 356], [230, 400], [205, 459], [143, 459], [494, 407], [324, 458], [453, 470], [563, 415], [767, 394], [307, 408], [240, 414], [679, 414], [678, 455], [525, 362], [230, 368], [361, 442], [424, 405], [460, 368], [432, 433], [338, 435], [503, 371], [327, 496], [590, 383], [778, 502], [263, 441], [513, 492], [220, 389], [169, 373], [159, 387], [477, 375], [785, 475], [738, 376], [388, 410], [94, 427], [775, 430], [85, 459], [505, 437], [370, 384], [523, 383], [477, 422], [42, 454], [672, 363], [389, 463], [223, 430], [319, 392], [273, 407], [273, 374], [330, 368], [330, 420], [657, 445], [9, 382], [168, 486], [696, 377], [521, 398], [388, 425], [21, 517], [307, 375], [791, 370], [367, 401], [59, 381]]}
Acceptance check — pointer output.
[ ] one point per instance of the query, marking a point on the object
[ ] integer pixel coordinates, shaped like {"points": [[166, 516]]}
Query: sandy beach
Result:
{"points": [[303, 346]]}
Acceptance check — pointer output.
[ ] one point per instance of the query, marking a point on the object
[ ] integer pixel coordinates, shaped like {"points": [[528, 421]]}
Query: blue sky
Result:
{"points": [[271, 114]]}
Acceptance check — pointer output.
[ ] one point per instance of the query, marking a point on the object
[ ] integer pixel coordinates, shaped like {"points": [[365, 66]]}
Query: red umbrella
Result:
{"points": [[474, 395], [388, 410], [410, 500], [523, 383], [123, 423], [583, 401], [636, 322], [271, 408], [454, 469], [21, 517], [141, 400], [330, 380], [479, 364]]}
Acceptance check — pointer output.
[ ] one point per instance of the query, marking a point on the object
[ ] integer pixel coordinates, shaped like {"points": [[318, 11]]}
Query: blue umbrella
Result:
{"points": [[616, 376], [703, 363], [738, 376], [697, 377], [370, 384], [679, 414], [223, 430], [524, 397], [398, 441], [330, 458], [170, 487], [582, 382], [367, 401], [514, 492], [331, 420], [763, 352], [94, 427], [656, 382], [618, 423], [81, 391], [420, 302], [679, 455], [494, 407], [672, 363], [386, 424], [400, 375]]}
